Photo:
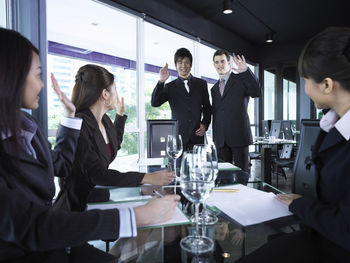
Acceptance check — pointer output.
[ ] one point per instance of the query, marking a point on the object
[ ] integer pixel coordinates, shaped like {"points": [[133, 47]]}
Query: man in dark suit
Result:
{"points": [[230, 97], [188, 98]]}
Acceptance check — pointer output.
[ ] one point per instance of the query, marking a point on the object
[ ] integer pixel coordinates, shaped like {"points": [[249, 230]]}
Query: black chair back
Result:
{"points": [[304, 177], [275, 128], [265, 128], [287, 151], [287, 130], [157, 133]]}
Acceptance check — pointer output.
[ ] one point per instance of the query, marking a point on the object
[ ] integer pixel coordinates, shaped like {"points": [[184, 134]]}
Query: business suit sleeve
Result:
{"points": [[251, 84], [33, 227], [97, 171], [64, 151], [331, 221], [159, 94], [119, 125], [206, 106]]}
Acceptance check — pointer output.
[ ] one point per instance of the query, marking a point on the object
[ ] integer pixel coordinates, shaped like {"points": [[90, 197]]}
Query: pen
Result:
{"points": [[227, 190], [157, 193]]}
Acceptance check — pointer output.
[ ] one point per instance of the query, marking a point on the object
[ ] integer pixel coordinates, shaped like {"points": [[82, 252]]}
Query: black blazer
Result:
{"points": [[91, 163], [230, 117], [190, 109], [28, 223], [329, 214]]}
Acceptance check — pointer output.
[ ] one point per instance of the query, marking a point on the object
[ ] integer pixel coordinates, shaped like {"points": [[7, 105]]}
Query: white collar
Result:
{"points": [[331, 119]]}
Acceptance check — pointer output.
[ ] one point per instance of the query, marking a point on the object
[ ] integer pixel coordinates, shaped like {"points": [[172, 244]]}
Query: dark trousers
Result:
{"points": [[301, 246], [239, 156]]}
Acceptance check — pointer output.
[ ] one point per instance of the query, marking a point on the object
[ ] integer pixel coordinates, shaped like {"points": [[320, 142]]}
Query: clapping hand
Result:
{"points": [[66, 102], [164, 73], [119, 103], [241, 64]]}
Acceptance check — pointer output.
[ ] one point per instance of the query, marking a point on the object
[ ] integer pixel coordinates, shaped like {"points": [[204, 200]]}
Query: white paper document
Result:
{"points": [[248, 206], [227, 166], [178, 219]]}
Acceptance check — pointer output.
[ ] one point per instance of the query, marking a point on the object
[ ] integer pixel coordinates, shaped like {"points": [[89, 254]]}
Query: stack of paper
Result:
{"points": [[178, 219], [246, 205], [227, 166]]}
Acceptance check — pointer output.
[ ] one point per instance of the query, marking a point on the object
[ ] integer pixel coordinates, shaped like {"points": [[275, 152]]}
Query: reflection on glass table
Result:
{"points": [[231, 240]]}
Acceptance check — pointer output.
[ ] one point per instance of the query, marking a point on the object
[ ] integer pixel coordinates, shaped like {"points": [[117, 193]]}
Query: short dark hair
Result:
{"points": [[16, 54], [220, 52], [327, 55], [90, 81], [182, 53]]}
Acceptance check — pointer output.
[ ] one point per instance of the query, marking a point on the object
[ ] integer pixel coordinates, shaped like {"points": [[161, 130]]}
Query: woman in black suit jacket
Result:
{"points": [[94, 94], [30, 231], [325, 65]]}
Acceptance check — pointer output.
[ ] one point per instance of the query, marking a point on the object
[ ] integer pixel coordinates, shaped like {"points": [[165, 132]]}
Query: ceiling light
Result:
{"points": [[227, 7], [269, 37]]}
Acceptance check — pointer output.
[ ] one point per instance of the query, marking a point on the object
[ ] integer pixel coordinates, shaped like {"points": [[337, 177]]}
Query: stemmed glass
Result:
{"points": [[208, 152], [195, 185], [174, 149]]}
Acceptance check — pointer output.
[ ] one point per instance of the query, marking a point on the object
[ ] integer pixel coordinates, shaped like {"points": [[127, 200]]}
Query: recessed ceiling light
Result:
{"points": [[227, 7]]}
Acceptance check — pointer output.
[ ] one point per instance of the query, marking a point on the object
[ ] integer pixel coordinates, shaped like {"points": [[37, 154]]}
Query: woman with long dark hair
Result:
{"points": [[93, 95], [325, 65], [30, 231]]}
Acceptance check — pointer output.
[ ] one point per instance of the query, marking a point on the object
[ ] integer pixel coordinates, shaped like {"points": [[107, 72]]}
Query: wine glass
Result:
{"points": [[174, 149], [208, 152], [195, 187]]}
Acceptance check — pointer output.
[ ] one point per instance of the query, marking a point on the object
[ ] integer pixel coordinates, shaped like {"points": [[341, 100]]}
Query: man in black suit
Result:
{"points": [[230, 97], [188, 98]]}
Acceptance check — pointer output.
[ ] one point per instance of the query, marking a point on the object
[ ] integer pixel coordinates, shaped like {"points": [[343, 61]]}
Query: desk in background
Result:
{"points": [[266, 155]]}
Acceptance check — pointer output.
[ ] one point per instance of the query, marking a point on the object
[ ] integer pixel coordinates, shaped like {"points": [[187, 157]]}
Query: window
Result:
{"points": [[3, 15], [289, 100], [93, 35], [269, 95]]}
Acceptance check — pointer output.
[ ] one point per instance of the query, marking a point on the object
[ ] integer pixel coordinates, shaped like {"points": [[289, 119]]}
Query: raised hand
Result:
{"points": [[69, 107], [241, 64], [164, 73], [119, 103]]}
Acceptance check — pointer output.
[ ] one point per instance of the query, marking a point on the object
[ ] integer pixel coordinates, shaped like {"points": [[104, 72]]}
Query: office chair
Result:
{"points": [[304, 179], [285, 160], [157, 133], [275, 128], [286, 130], [265, 128]]}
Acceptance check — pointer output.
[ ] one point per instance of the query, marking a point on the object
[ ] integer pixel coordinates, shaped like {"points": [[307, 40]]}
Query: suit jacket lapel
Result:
{"points": [[111, 133], [331, 139], [43, 153]]}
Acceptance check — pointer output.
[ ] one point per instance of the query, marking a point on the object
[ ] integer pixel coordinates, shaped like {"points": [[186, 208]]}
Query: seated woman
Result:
{"points": [[30, 231], [325, 65], [93, 95]]}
